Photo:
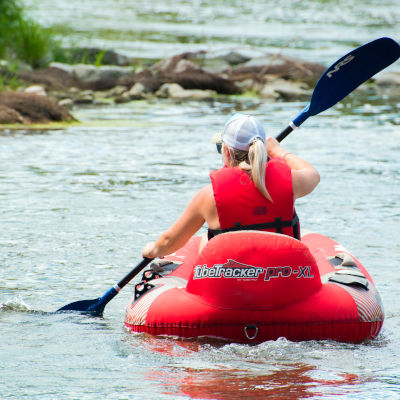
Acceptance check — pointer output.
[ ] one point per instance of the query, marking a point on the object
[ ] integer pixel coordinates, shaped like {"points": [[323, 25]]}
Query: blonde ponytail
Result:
{"points": [[258, 162], [254, 163]]}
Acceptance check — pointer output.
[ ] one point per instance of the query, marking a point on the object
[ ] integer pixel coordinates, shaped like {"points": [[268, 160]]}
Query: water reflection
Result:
{"points": [[204, 370], [294, 381]]}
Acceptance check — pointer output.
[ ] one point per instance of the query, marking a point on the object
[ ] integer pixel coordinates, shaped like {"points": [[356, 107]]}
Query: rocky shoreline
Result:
{"points": [[49, 94]]}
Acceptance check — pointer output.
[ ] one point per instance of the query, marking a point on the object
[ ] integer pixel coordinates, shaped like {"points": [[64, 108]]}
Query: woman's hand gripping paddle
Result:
{"points": [[95, 307], [345, 75]]}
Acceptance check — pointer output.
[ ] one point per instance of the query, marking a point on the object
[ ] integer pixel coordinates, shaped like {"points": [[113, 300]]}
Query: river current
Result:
{"points": [[79, 203]]}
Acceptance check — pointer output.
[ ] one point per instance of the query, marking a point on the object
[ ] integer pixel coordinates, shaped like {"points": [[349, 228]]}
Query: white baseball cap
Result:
{"points": [[240, 131]]}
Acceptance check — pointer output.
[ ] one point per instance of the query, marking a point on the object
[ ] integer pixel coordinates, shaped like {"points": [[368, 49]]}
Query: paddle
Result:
{"points": [[95, 307], [345, 75]]}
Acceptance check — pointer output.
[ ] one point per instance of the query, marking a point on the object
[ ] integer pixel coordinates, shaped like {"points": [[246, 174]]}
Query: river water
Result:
{"points": [[78, 204]]}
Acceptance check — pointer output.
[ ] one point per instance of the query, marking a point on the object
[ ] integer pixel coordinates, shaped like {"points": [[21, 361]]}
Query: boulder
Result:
{"points": [[36, 89], [278, 66], [10, 116], [84, 97], [93, 55], [114, 92], [285, 90], [388, 79], [137, 92], [235, 58], [91, 73], [151, 82], [122, 98], [54, 78], [176, 64], [90, 77], [34, 108], [389, 83], [66, 103], [178, 69], [201, 80], [176, 92]]}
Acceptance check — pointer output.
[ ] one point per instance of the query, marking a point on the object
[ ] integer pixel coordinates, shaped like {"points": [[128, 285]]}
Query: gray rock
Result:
{"points": [[137, 91], [92, 77], [388, 80], [177, 92], [36, 89], [67, 103], [69, 69], [90, 73], [235, 58], [175, 65], [85, 97], [123, 98], [285, 90], [388, 84]]}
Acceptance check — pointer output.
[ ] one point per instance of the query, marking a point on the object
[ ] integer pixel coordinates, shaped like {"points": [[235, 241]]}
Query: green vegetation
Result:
{"points": [[8, 76], [22, 39]]}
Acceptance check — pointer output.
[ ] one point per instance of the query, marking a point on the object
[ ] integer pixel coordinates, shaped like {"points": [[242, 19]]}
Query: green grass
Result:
{"points": [[22, 39], [8, 77]]}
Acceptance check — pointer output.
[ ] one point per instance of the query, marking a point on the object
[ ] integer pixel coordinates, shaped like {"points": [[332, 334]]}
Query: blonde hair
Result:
{"points": [[253, 162]]}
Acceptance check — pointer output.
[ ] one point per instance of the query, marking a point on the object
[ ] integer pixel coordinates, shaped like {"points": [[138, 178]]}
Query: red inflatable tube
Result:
{"points": [[249, 287]]}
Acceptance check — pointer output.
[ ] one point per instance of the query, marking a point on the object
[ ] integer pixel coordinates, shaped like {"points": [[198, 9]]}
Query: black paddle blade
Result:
{"points": [[350, 71], [345, 75], [96, 307], [93, 307], [84, 307]]}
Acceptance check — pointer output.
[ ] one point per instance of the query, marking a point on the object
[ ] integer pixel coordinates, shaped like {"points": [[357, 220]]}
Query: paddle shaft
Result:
{"points": [[98, 308], [128, 277], [285, 132]]}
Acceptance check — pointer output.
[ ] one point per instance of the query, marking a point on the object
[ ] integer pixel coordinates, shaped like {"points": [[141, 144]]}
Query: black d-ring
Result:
{"points": [[251, 327]]}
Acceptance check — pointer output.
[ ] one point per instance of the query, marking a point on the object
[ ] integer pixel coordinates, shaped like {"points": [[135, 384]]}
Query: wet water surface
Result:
{"points": [[78, 205]]}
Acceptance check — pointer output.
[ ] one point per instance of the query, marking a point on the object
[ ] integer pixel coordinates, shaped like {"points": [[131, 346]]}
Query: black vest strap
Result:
{"points": [[277, 224]]}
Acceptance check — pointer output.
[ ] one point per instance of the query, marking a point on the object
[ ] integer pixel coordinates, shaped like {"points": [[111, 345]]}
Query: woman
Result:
{"points": [[247, 193]]}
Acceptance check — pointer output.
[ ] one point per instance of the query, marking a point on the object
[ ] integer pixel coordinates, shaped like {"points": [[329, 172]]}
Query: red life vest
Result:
{"points": [[241, 206]]}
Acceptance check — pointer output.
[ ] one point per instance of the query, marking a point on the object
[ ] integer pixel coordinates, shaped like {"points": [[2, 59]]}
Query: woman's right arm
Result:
{"points": [[305, 177]]}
